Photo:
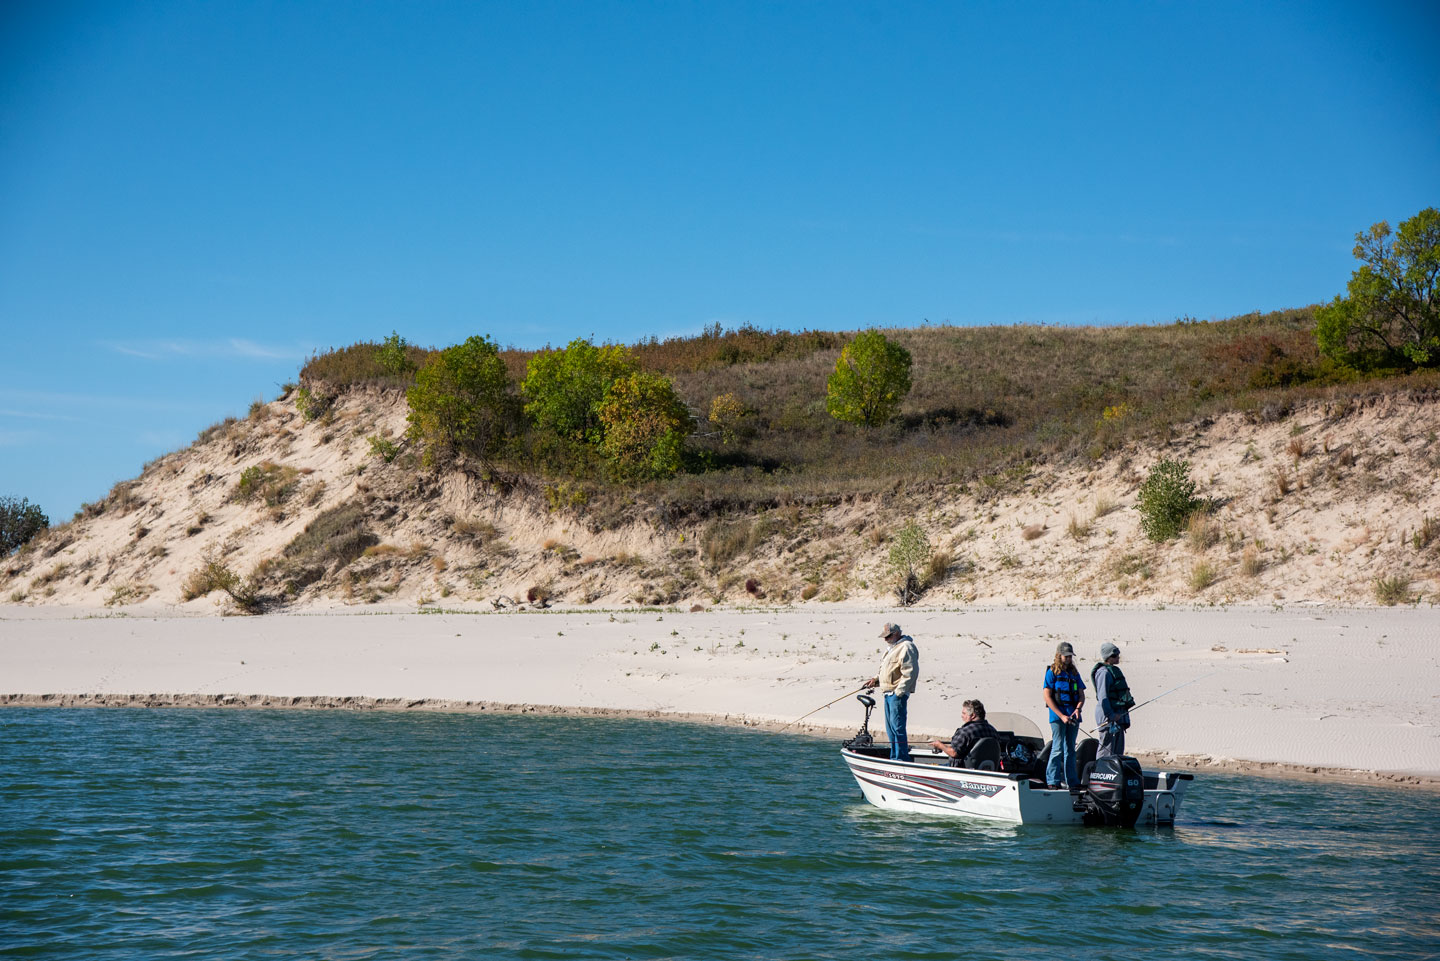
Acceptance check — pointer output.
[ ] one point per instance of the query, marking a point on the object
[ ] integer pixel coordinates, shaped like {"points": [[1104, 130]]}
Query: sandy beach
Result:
{"points": [[1294, 692]]}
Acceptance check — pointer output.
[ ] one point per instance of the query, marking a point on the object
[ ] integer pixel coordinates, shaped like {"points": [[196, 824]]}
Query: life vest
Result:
{"points": [[1065, 687], [1117, 689]]}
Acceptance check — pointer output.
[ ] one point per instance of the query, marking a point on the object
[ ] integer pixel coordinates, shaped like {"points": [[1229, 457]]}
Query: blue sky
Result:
{"points": [[194, 196]]}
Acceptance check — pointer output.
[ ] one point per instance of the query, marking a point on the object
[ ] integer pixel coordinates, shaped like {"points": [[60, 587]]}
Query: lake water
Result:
{"points": [[293, 834]]}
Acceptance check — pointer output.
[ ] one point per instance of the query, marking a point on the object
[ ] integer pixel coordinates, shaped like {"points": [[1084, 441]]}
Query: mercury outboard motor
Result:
{"points": [[1113, 792], [863, 738]]}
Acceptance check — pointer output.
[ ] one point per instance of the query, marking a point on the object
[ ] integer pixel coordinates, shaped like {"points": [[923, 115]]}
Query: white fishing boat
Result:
{"points": [[1007, 781]]}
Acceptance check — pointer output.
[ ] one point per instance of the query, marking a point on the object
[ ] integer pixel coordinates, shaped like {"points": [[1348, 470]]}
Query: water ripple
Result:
{"points": [[162, 834]]}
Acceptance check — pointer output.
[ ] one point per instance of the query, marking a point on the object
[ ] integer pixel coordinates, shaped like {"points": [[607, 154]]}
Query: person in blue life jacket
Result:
{"points": [[1112, 702], [899, 670], [1064, 696]]}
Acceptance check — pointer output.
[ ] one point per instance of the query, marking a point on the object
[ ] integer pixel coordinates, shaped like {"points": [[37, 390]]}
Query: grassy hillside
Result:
{"points": [[988, 404]]}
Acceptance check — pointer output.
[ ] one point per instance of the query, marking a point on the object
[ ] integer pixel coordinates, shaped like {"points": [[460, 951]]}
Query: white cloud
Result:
{"points": [[36, 415], [17, 438], [89, 403], [231, 347]]}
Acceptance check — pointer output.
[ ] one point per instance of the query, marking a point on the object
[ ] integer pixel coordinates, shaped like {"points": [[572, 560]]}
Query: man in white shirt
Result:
{"points": [[899, 670]]}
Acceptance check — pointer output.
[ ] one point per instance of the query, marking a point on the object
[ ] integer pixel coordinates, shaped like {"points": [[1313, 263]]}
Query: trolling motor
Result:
{"points": [[863, 738]]}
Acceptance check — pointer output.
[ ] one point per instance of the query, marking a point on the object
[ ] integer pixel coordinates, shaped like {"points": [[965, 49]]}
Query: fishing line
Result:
{"points": [[824, 706], [1159, 696]]}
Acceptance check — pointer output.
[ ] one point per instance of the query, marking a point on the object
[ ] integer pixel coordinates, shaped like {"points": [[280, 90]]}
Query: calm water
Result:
{"points": [[229, 834]]}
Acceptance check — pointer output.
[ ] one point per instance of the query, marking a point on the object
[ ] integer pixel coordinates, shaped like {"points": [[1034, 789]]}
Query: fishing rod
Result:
{"points": [[825, 705], [1159, 696], [1173, 690]]}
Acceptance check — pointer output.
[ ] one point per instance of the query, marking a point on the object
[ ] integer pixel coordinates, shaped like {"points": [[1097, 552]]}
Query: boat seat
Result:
{"points": [[984, 756]]}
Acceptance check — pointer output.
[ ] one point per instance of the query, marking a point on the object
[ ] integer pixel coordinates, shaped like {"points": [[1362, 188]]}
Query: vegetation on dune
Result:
{"points": [[645, 424], [564, 389], [461, 401], [1390, 316], [20, 522], [909, 555], [985, 404], [366, 364], [871, 379], [1166, 500]]}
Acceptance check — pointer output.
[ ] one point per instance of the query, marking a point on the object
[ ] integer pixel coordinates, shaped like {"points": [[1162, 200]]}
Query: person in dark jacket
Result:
{"points": [[973, 728], [1112, 702]]}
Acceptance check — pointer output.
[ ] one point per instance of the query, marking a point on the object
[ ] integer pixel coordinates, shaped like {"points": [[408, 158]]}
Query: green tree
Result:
{"points": [[909, 553], [461, 401], [645, 425], [20, 521], [564, 389], [393, 355], [871, 378], [731, 417], [1166, 500], [1390, 316]]}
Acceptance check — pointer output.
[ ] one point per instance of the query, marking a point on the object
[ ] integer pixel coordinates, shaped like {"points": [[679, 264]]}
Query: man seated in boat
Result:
{"points": [[972, 730]]}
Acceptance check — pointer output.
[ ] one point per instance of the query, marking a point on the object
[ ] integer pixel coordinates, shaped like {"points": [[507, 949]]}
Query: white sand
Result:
{"points": [[1322, 688]]}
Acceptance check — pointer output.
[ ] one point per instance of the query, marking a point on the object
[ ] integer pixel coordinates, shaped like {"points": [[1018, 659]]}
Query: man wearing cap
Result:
{"points": [[1112, 702], [899, 670], [1064, 696]]}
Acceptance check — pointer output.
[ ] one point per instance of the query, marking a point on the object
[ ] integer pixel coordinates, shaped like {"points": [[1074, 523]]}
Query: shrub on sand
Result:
{"points": [[1166, 500], [1392, 590]]}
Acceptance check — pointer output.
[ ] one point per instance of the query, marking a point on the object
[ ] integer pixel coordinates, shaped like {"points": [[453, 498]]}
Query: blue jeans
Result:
{"points": [[895, 727], [1062, 752]]}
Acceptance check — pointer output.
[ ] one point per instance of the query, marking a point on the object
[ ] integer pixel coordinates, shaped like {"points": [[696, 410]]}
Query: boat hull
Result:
{"points": [[925, 786]]}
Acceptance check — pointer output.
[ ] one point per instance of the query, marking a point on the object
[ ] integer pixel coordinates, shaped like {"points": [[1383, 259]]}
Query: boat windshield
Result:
{"points": [[1017, 724]]}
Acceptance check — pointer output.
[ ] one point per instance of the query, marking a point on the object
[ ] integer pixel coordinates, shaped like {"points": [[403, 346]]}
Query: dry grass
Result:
{"points": [[268, 481], [1202, 532], [1296, 448], [724, 541], [1251, 563], [938, 568], [1425, 534], [1393, 590], [1105, 504], [1077, 529], [1202, 575], [214, 575], [480, 530], [54, 574], [1281, 481], [129, 594]]}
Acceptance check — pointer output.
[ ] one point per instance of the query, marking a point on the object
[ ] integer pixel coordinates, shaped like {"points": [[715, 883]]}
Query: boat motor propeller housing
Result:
{"points": [[1113, 792], [863, 738]]}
